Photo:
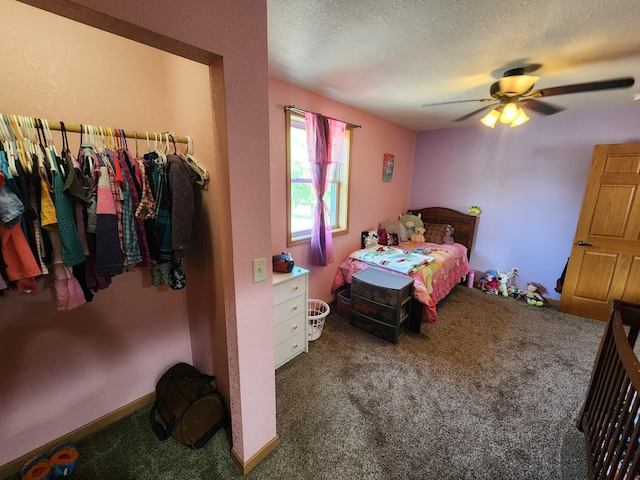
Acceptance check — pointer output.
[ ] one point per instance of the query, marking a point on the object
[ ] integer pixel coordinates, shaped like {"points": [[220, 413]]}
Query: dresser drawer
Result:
{"points": [[289, 308], [288, 328], [379, 329], [290, 348], [377, 311], [289, 289], [382, 287]]}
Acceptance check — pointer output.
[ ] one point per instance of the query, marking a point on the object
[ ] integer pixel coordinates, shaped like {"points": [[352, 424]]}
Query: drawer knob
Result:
{"points": [[295, 307], [295, 327], [295, 345], [295, 288]]}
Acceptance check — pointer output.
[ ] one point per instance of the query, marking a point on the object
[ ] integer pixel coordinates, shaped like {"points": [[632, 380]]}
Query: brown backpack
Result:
{"points": [[190, 407]]}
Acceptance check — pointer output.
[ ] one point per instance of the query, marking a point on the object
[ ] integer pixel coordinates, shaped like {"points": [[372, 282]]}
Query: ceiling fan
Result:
{"points": [[515, 89]]}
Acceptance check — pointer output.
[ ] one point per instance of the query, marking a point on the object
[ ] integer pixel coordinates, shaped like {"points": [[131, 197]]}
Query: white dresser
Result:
{"points": [[290, 314]]}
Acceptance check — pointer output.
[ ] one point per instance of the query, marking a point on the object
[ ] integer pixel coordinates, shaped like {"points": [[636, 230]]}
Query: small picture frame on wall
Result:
{"points": [[387, 167]]}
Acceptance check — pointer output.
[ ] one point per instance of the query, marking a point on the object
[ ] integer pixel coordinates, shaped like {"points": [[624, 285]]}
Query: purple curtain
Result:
{"points": [[325, 138]]}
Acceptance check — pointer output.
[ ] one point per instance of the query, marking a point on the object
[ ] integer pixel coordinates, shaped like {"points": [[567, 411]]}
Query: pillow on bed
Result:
{"points": [[382, 236], [387, 239], [395, 227], [438, 233], [369, 238]]}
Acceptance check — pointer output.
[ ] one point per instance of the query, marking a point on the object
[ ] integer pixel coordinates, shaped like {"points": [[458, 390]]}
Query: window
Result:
{"points": [[300, 196]]}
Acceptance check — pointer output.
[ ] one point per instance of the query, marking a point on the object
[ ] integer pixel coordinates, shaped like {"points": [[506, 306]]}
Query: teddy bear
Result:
{"points": [[531, 295], [418, 236]]}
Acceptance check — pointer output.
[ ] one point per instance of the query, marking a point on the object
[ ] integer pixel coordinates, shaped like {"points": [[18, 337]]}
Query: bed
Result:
{"points": [[610, 415], [446, 266]]}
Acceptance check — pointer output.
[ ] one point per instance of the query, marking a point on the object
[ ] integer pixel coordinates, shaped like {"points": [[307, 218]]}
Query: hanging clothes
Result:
{"points": [[83, 220], [87, 161], [147, 210], [16, 253], [181, 189], [72, 251], [109, 259], [132, 201], [160, 188]]}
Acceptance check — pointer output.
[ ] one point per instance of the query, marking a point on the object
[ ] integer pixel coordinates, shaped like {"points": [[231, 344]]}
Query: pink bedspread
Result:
{"points": [[431, 283]]}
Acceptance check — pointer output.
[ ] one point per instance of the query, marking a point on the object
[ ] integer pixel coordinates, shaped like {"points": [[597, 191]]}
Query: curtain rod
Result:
{"points": [[295, 109]]}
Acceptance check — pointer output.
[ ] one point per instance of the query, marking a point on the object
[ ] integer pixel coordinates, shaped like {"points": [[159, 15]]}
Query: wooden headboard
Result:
{"points": [[463, 223]]}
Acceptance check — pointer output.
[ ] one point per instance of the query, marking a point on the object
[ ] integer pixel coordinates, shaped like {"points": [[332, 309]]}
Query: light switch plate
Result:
{"points": [[259, 270]]}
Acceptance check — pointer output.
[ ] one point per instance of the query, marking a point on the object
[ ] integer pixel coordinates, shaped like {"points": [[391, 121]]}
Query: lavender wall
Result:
{"points": [[529, 182]]}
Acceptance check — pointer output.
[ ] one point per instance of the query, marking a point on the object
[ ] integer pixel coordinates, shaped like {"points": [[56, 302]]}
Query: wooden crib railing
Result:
{"points": [[609, 416]]}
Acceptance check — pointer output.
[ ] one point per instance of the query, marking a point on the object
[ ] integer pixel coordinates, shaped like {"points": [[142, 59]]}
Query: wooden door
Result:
{"points": [[605, 257]]}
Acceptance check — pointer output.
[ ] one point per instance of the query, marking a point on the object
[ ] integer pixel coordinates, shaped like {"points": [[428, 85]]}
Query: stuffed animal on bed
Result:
{"points": [[531, 295], [419, 235], [410, 223]]}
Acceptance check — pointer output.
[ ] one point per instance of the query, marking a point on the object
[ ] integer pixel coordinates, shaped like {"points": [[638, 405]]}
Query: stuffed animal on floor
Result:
{"points": [[489, 283], [419, 235], [503, 283], [531, 295]]}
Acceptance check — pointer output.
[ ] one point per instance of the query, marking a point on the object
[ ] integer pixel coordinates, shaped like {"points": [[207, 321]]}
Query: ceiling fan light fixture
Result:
{"points": [[491, 118], [520, 118], [517, 84], [509, 113]]}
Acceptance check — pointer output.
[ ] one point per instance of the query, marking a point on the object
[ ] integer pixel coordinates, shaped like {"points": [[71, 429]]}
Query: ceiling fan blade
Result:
{"points": [[624, 82], [459, 101], [540, 107], [469, 115]]}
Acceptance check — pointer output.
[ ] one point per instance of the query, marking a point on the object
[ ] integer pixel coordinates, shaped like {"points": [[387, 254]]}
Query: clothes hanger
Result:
{"points": [[9, 140], [23, 143], [166, 143], [87, 149], [198, 175], [49, 145], [135, 134], [162, 158], [201, 172], [173, 140], [32, 139]]}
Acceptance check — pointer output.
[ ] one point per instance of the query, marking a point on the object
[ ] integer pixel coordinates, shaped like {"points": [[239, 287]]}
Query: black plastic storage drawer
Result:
{"points": [[390, 333], [378, 311], [381, 303], [382, 287]]}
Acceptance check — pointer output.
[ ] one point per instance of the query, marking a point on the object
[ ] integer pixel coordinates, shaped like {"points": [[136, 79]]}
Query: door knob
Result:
{"points": [[582, 243]]}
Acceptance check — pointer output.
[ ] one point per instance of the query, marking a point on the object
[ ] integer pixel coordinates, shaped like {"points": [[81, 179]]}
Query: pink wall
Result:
{"points": [[529, 182], [98, 358], [371, 200]]}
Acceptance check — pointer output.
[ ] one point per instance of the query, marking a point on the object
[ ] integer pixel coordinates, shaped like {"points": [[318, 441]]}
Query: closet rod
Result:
{"points": [[295, 109], [127, 133]]}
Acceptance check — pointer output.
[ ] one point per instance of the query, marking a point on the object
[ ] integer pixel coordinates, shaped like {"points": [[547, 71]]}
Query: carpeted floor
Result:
{"points": [[491, 391]]}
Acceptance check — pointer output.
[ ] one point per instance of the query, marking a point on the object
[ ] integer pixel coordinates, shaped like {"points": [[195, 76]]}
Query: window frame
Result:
{"points": [[343, 195]]}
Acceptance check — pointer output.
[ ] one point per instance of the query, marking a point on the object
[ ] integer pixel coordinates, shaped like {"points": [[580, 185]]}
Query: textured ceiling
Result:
{"points": [[390, 57]]}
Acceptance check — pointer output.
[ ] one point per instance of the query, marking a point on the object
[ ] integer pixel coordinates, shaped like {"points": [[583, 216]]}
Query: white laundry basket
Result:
{"points": [[317, 311]]}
